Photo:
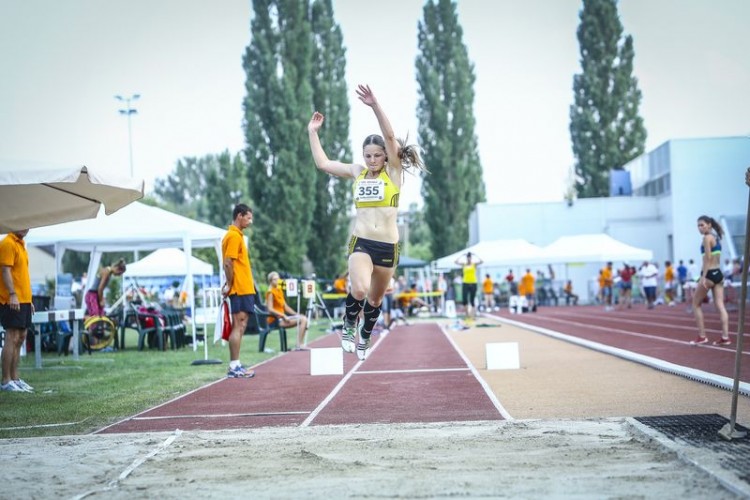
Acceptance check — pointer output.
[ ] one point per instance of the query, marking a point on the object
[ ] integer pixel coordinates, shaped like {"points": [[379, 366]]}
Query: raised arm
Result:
{"points": [[320, 157], [391, 143]]}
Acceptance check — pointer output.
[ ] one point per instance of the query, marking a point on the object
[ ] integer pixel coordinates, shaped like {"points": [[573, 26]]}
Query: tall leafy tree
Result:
{"points": [[445, 78], [205, 188], [605, 128], [330, 222], [277, 106], [226, 185], [182, 190]]}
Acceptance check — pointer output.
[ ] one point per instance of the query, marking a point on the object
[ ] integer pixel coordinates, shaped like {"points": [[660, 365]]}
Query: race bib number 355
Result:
{"points": [[370, 190]]}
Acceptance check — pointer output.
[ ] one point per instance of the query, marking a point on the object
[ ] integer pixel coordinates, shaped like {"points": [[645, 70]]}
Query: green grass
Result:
{"points": [[78, 397]]}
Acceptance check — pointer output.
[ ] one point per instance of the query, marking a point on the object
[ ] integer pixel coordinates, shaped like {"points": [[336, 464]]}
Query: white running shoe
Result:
{"points": [[23, 385], [348, 338], [11, 387], [363, 348]]}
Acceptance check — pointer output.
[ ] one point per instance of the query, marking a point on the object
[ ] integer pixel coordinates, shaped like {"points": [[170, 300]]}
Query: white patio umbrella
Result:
{"points": [[35, 196]]}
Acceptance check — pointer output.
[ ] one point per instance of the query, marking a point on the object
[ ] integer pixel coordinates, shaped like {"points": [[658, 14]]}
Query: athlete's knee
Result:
{"points": [[375, 301]]}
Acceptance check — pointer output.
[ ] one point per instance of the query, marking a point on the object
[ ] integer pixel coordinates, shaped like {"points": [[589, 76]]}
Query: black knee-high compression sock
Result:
{"points": [[353, 307], [371, 317]]}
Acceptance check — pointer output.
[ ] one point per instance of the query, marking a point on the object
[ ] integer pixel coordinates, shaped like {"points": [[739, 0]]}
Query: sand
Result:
{"points": [[602, 458]]}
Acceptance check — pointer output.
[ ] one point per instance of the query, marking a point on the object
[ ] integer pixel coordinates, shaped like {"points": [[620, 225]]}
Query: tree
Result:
{"points": [[605, 127], [181, 191], [445, 78], [417, 240], [205, 188], [330, 222], [226, 186], [277, 106]]}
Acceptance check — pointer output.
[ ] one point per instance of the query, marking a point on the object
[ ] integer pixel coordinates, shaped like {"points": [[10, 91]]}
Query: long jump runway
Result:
{"points": [[413, 374]]}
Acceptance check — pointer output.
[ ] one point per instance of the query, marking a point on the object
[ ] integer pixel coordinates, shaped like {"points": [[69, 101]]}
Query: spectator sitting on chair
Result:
{"points": [[340, 284], [279, 310], [569, 295], [388, 303], [410, 300]]}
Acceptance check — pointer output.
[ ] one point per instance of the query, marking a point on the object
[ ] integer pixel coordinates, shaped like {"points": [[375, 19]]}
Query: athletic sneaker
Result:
{"points": [[11, 387], [699, 340], [723, 342], [240, 371], [23, 385], [347, 338], [363, 348]]}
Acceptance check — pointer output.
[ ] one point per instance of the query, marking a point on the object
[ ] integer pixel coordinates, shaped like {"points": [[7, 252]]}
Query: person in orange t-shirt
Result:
{"points": [[279, 310], [340, 284], [526, 288], [669, 283], [488, 289], [239, 286], [606, 280], [16, 307]]}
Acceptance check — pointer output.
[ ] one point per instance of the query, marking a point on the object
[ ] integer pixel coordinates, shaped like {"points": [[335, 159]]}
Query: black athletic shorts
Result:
{"points": [[11, 318], [382, 254], [242, 303], [715, 276]]}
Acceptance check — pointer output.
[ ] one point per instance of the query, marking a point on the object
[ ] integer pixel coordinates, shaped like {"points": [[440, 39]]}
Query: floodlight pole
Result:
{"points": [[129, 111]]}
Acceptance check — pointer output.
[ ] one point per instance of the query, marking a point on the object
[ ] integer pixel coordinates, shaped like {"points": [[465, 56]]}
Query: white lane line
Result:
{"points": [[659, 364], [667, 316], [624, 332], [331, 395], [487, 389], [43, 426], [133, 466], [340, 385], [181, 396]]}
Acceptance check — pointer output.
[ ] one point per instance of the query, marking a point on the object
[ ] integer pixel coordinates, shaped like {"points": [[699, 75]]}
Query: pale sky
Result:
{"points": [[61, 63]]}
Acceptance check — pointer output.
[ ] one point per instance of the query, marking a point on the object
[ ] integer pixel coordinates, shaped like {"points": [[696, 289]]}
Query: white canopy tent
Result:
{"points": [[168, 262], [495, 254], [584, 248], [134, 227]]}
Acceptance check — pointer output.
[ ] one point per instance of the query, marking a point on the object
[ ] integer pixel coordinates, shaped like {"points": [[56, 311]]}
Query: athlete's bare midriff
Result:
{"points": [[377, 223]]}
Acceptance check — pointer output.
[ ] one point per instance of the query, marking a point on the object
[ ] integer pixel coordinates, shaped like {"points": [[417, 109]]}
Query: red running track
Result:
{"points": [[663, 333], [413, 374]]}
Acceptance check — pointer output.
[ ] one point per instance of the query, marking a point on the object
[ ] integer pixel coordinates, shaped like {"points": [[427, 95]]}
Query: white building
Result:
{"points": [[671, 187]]}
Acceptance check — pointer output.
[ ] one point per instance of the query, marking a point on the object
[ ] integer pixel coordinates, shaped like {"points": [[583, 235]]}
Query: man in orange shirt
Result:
{"points": [[527, 288], [669, 283], [607, 280], [239, 286], [488, 289], [16, 307]]}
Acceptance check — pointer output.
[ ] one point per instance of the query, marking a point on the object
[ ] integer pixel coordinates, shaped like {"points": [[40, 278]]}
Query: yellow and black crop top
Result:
{"points": [[377, 192]]}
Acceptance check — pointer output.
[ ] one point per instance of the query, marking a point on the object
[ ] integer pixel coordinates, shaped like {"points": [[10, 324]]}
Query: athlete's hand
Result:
{"points": [[315, 122], [366, 95]]}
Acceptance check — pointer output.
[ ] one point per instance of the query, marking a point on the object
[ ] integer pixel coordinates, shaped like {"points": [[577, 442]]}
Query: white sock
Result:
{"points": [[234, 364]]}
